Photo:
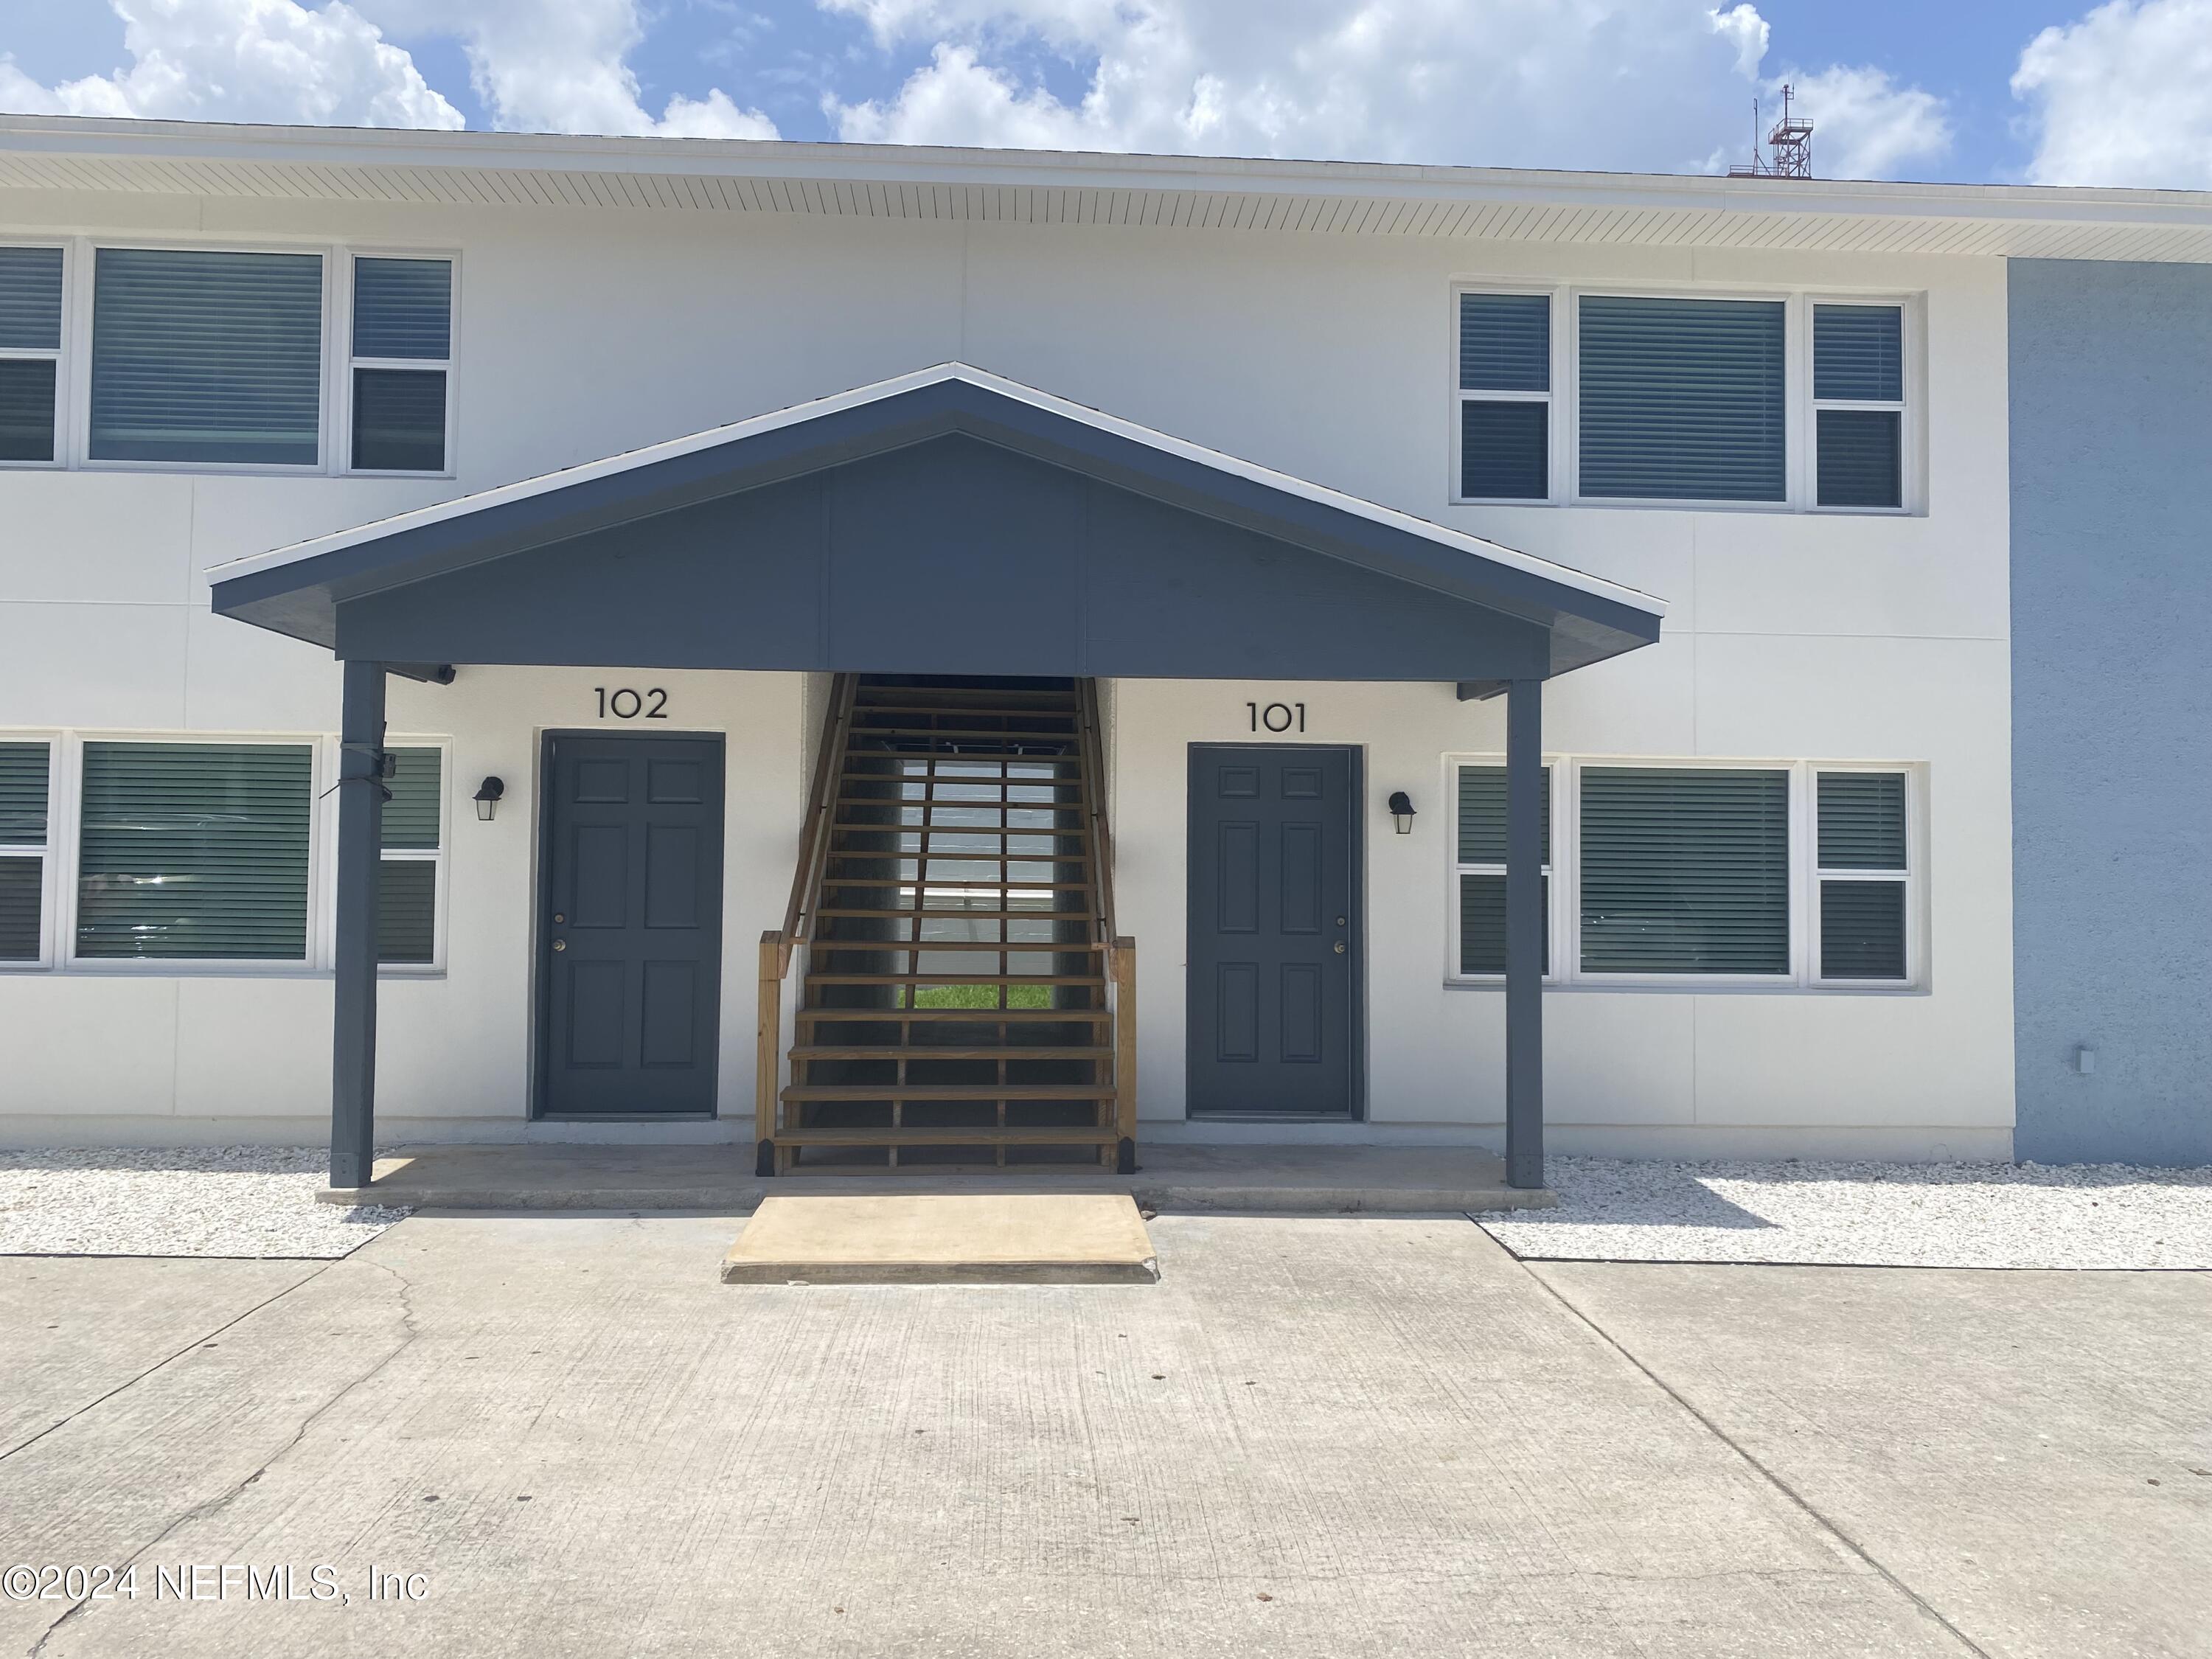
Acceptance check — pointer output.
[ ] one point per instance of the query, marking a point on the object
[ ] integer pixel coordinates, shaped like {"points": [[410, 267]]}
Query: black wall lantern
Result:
{"points": [[488, 798], [1402, 812]]}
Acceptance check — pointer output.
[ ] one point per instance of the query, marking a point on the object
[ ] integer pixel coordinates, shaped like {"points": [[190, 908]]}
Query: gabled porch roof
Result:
{"points": [[947, 520]]}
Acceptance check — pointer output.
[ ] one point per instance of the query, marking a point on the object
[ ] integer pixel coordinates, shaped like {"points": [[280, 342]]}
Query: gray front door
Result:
{"points": [[630, 925], [1273, 935]]}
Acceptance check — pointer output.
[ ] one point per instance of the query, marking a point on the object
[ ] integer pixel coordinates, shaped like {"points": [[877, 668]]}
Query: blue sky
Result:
{"points": [[2031, 90]]}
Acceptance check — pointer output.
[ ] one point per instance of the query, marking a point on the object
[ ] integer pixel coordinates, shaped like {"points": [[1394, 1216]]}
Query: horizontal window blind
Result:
{"points": [[1482, 815], [22, 885], [1861, 820], [1482, 924], [1861, 458], [203, 356], [194, 851], [23, 785], [1682, 399], [406, 910], [27, 409], [399, 420], [1684, 871], [1505, 450], [30, 299], [1505, 343], [1862, 930], [23, 773], [402, 308], [412, 816], [1858, 353]]}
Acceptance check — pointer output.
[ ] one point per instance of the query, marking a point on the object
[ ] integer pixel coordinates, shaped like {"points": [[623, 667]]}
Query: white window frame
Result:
{"points": [[1563, 913], [1798, 423], [1910, 442], [1551, 399], [59, 357], [1554, 907], [342, 324], [439, 881], [48, 855], [1909, 878], [63, 851], [334, 434]]}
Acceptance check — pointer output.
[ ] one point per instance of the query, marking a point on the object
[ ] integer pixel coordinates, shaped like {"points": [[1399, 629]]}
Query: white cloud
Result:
{"points": [[560, 66], [1563, 83], [2123, 96], [1864, 125], [244, 60]]}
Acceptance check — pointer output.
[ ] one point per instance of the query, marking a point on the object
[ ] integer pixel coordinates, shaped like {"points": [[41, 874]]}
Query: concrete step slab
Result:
{"points": [[944, 1238]]}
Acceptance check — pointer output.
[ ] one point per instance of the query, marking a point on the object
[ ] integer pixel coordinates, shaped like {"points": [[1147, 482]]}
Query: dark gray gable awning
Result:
{"points": [[948, 520]]}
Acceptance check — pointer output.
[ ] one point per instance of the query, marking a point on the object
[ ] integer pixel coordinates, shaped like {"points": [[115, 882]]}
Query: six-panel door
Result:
{"points": [[1273, 933], [630, 925]]}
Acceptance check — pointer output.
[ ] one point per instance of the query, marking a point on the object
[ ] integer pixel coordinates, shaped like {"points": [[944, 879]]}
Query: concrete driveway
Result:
{"points": [[1341, 1436]]}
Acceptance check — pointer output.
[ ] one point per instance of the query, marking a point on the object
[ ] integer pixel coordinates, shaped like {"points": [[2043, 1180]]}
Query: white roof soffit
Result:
{"points": [[741, 177], [797, 414]]}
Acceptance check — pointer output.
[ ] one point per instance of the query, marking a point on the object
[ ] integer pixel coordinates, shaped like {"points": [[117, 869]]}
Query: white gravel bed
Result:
{"points": [[1901, 1215], [197, 1200]]}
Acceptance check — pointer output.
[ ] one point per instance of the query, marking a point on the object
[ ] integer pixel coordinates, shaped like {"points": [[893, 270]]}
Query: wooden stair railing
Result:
{"points": [[935, 780], [778, 946]]}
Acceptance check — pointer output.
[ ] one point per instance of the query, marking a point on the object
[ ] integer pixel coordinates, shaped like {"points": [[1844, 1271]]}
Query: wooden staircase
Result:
{"points": [[963, 1001]]}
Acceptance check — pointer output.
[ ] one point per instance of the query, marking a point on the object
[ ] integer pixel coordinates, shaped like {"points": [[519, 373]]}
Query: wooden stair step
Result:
{"points": [[954, 979], [955, 1016], [971, 883], [986, 947], [980, 1136], [802, 1092], [942, 803], [865, 696], [957, 858], [911, 1051], [972, 711], [966, 915], [981, 831]]}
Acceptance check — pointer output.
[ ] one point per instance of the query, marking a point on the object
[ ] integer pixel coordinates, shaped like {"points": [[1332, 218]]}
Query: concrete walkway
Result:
{"points": [[1283, 1179], [1343, 1438]]}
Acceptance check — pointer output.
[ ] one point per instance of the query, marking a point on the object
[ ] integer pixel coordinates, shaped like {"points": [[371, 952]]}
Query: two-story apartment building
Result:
{"points": [[929, 655]]}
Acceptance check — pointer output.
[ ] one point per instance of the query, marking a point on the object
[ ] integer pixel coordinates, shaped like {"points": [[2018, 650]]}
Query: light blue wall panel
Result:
{"points": [[2111, 614]]}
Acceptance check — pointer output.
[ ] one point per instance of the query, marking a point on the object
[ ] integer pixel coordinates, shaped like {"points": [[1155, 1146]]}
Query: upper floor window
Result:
{"points": [[30, 351], [1858, 403], [220, 357], [207, 357], [1779, 401], [403, 312]]}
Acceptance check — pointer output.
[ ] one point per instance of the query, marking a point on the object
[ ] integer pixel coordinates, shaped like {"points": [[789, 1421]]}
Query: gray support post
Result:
{"points": [[1524, 934], [361, 840]]}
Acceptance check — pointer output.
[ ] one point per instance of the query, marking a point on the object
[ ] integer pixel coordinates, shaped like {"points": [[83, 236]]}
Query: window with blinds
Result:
{"points": [[1505, 397], [1682, 399], [208, 357], [195, 852], [1864, 875], [1479, 869], [1858, 405], [407, 890], [30, 352], [25, 770], [403, 312], [1685, 870]]}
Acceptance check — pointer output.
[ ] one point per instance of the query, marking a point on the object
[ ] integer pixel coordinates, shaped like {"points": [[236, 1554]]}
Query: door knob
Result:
{"points": [[1339, 947], [562, 945]]}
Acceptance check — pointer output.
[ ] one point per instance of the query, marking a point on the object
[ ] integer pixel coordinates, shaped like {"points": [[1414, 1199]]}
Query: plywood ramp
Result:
{"points": [[939, 1238]]}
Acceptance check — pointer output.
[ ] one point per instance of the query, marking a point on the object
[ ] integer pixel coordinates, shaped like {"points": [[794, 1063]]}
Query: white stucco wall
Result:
{"points": [[1790, 636]]}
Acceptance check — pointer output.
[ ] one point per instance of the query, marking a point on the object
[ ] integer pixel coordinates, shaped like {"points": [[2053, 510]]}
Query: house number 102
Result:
{"points": [[1277, 717], [625, 704]]}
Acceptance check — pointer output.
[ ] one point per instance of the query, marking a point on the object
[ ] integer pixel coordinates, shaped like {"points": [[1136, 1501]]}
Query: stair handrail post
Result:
{"points": [[779, 948], [1121, 952]]}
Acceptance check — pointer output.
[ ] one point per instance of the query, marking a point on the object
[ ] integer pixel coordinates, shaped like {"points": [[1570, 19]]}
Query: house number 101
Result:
{"points": [[1277, 717], [625, 704]]}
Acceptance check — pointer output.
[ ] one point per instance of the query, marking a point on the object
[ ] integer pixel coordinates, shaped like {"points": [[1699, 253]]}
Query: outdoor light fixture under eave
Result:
{"points": [[488, 798], [1402, 812]]}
